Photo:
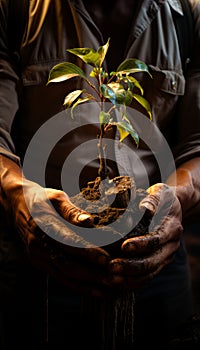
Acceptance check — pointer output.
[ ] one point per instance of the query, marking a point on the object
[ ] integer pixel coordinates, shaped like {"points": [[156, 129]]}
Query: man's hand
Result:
{"points": [[47, 221], [145, 256]]}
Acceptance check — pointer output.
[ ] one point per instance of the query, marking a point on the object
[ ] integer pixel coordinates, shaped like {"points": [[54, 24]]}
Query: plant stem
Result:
{"points": [[102, 172], [93, 87]]}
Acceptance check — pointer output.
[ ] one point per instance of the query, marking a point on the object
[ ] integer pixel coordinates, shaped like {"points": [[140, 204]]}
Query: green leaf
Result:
{"points": [[78, 102], [98, 71], [91, 56], [132, 82], [122, 132], [71, 97], [123, 96], [126, 129], [132, 65], [87, 55], [116, 93], [102, 51], [64, 71], [144, 103], [115, 86], [108, 93], [104, 118], [94, 72]]}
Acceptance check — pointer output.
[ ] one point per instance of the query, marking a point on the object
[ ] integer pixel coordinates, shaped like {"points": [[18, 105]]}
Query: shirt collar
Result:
{"points": [[176, 5]]}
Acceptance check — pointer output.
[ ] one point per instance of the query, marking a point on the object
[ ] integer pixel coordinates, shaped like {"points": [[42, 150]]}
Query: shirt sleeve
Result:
{"points": [[9, 87], [188, 131]]}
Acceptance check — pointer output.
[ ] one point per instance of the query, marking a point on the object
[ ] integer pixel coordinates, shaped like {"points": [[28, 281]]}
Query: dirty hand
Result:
{"points": [[145, 256], [46, 220]]}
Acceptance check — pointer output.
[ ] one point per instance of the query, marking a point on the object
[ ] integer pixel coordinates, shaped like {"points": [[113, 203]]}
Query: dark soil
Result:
{"points": [[111, 200]]}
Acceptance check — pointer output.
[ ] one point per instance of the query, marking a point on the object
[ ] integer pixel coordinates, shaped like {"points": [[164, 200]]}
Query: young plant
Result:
{"points": [[117, 87]]}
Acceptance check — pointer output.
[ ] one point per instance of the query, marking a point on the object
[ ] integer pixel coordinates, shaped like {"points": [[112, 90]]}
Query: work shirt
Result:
{"points": [[152, 38]]}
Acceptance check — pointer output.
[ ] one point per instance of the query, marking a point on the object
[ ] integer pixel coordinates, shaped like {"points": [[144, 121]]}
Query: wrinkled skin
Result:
{"points": [[145, 256], [89, 269], [81, 269]]}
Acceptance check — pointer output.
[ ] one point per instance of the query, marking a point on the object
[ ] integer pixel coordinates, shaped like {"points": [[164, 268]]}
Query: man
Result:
{"points": [[158, 273]]}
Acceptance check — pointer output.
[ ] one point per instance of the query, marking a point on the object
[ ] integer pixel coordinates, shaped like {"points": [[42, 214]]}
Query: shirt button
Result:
{"points": [[174, 85]]}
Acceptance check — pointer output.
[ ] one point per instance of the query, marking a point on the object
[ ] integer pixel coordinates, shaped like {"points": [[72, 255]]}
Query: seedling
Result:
{"points": [[118, 87]]}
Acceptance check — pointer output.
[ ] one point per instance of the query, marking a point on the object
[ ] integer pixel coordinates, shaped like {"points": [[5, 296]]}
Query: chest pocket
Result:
{"points": [[163, 91]]}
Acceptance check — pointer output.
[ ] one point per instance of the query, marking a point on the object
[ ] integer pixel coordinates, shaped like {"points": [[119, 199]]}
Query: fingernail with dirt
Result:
{"points": [[149, 206]]}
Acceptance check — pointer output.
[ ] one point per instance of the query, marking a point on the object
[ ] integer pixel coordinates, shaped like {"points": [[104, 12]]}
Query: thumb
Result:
{"points": [[147, 204], [151, 202], [69, 211], [75, 215]]}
